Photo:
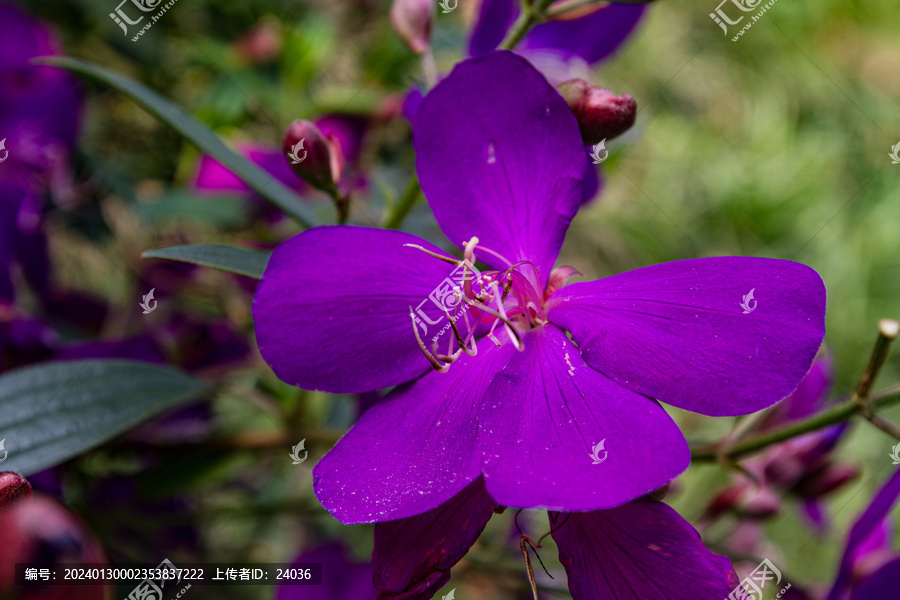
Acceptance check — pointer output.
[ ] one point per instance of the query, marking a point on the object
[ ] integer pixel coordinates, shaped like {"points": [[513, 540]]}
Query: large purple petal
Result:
{"points": [[882, 585], [641, 550], [500, 157], [592, 37], [412, 557], [342, 579], [543, 417], [332, 308], [415, 449], [862, 529], [676, 331]]}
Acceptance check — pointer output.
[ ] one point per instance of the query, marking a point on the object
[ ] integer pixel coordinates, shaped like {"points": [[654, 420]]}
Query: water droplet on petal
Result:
{"points": [[492, 154]]}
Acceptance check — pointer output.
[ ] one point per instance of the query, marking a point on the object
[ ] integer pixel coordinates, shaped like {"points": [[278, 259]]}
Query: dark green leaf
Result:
{"points": [[242, 261], [56, 410]]}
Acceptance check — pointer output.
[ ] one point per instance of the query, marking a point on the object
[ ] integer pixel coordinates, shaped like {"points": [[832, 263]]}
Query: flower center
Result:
{"points": [[472, 303]]}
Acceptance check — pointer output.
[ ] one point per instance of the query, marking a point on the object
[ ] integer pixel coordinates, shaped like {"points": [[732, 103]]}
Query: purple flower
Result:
{"points": [[561, 49], [557, 369]]}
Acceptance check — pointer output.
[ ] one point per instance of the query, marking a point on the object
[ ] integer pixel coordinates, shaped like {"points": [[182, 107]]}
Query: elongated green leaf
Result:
{"points": [[202, 136], [242, 261], [56, 410]]}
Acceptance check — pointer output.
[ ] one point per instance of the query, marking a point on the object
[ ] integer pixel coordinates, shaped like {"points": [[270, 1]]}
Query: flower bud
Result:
{"points": [[13, 487], [825, 479], [601, 114], [412, 20], [314, 157], [40, 530]]}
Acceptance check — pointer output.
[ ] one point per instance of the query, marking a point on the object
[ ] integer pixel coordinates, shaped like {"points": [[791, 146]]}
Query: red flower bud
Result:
{"points": [[601, 114], [314, 157], [40, 530], [412, 20], [13, 487]]}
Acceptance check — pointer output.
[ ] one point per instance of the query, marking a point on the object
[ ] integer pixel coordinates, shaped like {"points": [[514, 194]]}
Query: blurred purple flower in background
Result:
{"points": [[564, 48], [867, 570], [40, 115]]}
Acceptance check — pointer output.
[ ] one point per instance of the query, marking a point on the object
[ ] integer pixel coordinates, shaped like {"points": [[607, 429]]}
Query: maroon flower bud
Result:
{"points": [[40, 530], [412, 20], [314, 157], [601, 114], [825, 479], [725, 501], [13, 487]]}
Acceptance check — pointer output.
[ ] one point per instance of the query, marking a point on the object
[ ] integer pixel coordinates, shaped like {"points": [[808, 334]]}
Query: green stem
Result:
{"points": [[838, 414], [398, 212], [564, 7], [530, 16]]}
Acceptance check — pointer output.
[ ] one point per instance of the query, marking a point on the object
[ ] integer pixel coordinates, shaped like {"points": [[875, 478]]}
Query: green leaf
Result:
{"points": [[199, 134], [242, 261], [56, 410]]}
